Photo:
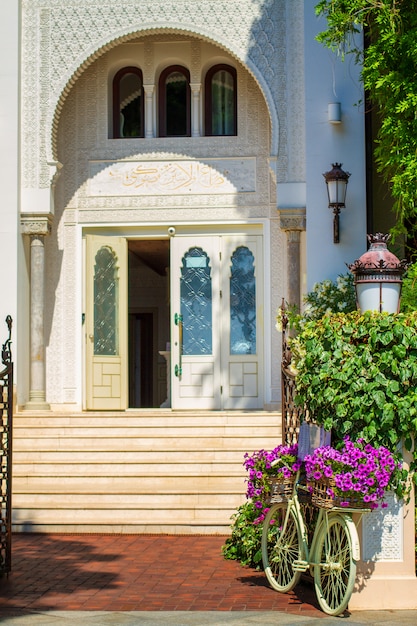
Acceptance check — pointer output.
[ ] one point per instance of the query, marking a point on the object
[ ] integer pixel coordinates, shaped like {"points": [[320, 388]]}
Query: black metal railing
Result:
{"points": [[291, 414], [6, 419]]}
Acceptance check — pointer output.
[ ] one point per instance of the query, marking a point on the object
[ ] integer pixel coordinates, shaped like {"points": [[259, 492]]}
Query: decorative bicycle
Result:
{"points": [[327, 547]]}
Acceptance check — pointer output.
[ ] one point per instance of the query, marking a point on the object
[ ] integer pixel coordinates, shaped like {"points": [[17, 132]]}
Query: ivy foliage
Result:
{"points": [[357, 374], [389, 75]]}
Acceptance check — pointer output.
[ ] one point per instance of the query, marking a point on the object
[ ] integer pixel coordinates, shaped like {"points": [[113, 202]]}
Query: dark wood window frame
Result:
{"points": [[208, 96], [163, 104], [116, 99]]}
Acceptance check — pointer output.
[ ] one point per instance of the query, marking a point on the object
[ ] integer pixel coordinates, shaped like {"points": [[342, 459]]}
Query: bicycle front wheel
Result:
{"points": [[281, 546], [335, 567]]}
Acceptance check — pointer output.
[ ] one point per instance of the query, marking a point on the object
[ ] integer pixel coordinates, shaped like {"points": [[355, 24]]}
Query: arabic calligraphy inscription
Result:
{"points": [[134, 178]]}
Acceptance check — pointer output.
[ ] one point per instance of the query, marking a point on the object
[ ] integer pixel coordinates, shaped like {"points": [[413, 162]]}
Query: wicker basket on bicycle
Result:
{"points": [[321, 497], [280, 489]]}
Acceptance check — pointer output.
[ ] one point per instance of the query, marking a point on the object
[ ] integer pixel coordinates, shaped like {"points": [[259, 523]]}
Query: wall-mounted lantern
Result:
{"points": [[336, 183], [334, 112], [378, 277]]}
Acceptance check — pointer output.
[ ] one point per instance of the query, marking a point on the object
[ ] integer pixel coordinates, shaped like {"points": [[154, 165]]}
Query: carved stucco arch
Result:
{"points": [[104, 46]]}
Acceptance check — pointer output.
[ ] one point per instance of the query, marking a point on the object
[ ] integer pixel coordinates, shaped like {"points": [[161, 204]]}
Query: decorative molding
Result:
{"points": [[36, 224], [295, 95], [292, 219], [382, 533]]}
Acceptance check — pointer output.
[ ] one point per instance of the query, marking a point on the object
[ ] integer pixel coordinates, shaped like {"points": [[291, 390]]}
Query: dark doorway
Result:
{"points": [[141, 334], [148, 321]]}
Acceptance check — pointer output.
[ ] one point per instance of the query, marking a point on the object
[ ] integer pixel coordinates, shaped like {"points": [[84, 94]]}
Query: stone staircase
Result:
{"points": [[147, 471]]}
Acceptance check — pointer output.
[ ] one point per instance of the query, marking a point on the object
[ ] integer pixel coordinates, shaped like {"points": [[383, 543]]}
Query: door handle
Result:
{"points": [[178, 322]]}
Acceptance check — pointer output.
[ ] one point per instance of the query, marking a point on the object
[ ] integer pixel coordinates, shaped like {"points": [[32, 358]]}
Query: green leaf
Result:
{"points": [[341, 410], [379, 398]]}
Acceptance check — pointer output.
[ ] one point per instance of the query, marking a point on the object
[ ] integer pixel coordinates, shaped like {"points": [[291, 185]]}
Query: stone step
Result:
{"points": [[121, 431], [93, 470], [148, 417], [129, 484], [151, 457], [140, 471], [127, 501], [130, 444], [124, 516]]}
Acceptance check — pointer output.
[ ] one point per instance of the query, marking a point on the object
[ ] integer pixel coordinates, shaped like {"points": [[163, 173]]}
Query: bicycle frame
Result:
{"points": [[324, 517]]}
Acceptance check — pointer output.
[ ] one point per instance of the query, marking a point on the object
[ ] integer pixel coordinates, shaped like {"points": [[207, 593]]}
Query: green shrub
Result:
{"points": [[357, 374], [244, 544]]}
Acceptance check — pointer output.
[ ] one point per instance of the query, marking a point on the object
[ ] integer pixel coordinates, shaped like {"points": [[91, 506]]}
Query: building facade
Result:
{"points": [[162, 191]]}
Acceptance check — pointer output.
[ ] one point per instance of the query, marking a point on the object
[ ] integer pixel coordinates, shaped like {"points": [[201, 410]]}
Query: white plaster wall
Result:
{"points": [[328, 79], [9, 159]]}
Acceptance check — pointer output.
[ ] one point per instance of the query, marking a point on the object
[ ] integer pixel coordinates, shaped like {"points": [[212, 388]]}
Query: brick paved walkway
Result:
{"points": [[138, 573]]}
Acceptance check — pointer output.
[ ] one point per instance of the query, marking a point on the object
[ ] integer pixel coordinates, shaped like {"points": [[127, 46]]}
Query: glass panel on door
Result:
{"points": [[242, 302], [196, 303], [105, 302]]}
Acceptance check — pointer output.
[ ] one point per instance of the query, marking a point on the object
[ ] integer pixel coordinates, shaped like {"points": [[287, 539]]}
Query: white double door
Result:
{"points": [[216, 322], [216, 327]]}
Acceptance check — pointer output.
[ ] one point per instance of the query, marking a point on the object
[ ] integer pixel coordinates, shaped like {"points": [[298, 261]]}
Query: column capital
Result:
{"points": [[32, 224], [293, 236], [292, 218]]}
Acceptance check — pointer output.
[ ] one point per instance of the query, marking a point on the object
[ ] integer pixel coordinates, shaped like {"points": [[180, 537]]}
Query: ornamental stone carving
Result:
{"points": [[293, 219], [32, 225], [60, 40], [134, 178]]}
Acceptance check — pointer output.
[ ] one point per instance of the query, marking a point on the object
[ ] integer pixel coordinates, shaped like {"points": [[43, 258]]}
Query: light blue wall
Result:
{"points": [[328, 79]]}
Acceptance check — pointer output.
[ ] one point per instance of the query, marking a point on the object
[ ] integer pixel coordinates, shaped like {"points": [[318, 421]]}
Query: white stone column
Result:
{"points": [[37, 229], [293, 221], [195, 109], [149, 125]]}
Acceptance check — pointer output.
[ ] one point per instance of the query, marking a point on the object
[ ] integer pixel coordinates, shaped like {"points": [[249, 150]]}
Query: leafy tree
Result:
{"points": [[389, 75]]}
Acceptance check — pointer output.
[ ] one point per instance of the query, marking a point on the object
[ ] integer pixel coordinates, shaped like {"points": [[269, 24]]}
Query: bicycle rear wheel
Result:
{"points": [[281, 546], [335, 567]]}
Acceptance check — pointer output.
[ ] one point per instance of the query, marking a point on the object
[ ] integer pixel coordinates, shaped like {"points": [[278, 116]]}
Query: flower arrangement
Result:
{"points": [[357, 472], [262, 466]]}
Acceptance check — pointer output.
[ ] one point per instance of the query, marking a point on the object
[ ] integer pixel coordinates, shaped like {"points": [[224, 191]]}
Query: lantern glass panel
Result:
{"points": [[337, 192], [378, 296]]}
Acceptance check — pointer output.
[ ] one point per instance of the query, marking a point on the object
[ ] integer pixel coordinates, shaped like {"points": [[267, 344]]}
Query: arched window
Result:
{"points": [[174, 102], [220, 101], [128, 103]]}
